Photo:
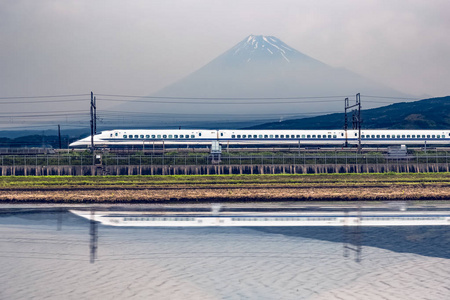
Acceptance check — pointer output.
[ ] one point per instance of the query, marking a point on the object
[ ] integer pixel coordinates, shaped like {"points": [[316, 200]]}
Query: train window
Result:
{"points": [[164, 136], [159, 136], [136, 136], [153, 136], [423, 136], [403, 136], [266, 136], [342, 134], [117, 134], [388, 136], [329, 136], [111, 135], [298, 136], [398, 136], [413, 136], [356, 134], [271, 136], [432, 136], [124, 136], [238, 136], [199, 134], [308, 136], [192, 136], [373, 136], [334, 136], [255, 136], [181, 136], [243, 136], [408, 136], [313, 136], [170, 136], [260, 136], [303, 136], [362, 136], [276, 136], [147, 136], [186, 136], [293, 136], [383, 136], [378, 136], [142, 136], [221, 134], [318, 136], [282, 136], [175, 136]]}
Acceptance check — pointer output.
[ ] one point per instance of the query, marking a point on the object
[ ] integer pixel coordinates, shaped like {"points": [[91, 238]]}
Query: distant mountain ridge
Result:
{"points": [[260, 67], [433, 113]]}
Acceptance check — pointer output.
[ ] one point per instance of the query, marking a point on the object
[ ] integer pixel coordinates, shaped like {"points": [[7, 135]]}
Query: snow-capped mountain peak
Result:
{"points": [[258, 47]]}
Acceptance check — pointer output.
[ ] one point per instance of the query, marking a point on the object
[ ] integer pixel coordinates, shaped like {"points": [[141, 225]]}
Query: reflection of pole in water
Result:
{"points": [[345, 233], [59, 220], [94, 237], [352, 235]]}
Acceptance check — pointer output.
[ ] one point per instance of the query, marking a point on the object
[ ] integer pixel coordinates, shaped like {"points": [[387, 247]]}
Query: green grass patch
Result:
{"points": [[204, 180]]}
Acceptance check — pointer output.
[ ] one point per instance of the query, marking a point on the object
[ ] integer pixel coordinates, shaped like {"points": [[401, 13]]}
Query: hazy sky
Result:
{"points": [[136, 47]]}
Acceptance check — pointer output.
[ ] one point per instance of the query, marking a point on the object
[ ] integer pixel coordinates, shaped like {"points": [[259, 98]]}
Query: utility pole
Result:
{"points": [[93, 125], [59, 136], [346, 122], [95, 115], [356, 119], [358, 101]]}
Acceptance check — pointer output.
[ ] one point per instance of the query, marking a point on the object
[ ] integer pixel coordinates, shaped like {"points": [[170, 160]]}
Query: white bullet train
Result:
{"points": [[142, 137]]}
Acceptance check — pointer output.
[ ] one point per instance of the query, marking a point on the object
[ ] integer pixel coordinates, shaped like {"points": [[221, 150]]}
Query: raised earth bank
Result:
{"points": [[224, 188]]}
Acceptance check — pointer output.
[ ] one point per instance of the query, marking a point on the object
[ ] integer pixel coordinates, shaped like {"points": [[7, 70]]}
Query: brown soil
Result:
{"points": [[184, 193]]}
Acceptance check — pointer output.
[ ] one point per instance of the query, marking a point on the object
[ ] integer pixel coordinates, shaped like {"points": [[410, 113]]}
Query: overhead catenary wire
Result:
{"points": [[106, 117], [46, 96]]}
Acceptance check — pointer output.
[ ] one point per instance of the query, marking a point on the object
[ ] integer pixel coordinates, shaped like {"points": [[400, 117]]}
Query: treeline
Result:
{"points": [[36, 141]]}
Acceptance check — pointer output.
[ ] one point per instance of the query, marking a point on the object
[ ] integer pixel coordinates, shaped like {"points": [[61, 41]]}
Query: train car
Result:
{"points": [[202, 137]]}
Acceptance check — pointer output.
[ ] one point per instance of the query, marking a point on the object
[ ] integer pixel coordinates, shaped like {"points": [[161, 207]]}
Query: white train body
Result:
{"points": [[122, 137]]}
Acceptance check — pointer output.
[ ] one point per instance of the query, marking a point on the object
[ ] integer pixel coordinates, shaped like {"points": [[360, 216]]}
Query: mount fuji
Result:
{"points": [[262, 67]]}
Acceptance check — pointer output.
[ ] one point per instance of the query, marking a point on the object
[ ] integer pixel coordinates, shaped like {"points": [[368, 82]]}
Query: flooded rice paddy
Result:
{"points": [[52, 253]]}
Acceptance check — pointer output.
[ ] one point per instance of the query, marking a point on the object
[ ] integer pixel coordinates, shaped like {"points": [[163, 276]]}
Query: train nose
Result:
{"points": [[82, 142]]}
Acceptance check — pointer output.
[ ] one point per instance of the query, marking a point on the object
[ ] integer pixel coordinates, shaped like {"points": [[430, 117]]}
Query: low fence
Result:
{"points": [[36, 165]]}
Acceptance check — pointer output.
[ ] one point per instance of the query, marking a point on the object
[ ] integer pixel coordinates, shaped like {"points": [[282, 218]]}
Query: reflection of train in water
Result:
{"points": [[122, 137], [246, 219]]}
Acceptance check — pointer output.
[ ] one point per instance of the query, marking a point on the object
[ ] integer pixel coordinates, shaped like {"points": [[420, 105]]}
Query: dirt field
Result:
{"points": [[147, 189]]}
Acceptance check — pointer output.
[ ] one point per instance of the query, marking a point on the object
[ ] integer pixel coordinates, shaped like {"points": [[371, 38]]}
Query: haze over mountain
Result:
{"points": [[262, 67]]}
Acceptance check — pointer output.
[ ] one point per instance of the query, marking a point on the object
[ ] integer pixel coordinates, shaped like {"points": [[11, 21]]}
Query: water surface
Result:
{"points": [[47, 254]]}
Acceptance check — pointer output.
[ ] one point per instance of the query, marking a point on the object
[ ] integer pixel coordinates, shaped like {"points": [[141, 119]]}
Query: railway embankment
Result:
{"points": [[224, 188]]}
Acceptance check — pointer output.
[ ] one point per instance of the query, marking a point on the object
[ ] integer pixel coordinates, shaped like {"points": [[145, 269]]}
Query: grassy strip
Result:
{"points": [[213, 180]]}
